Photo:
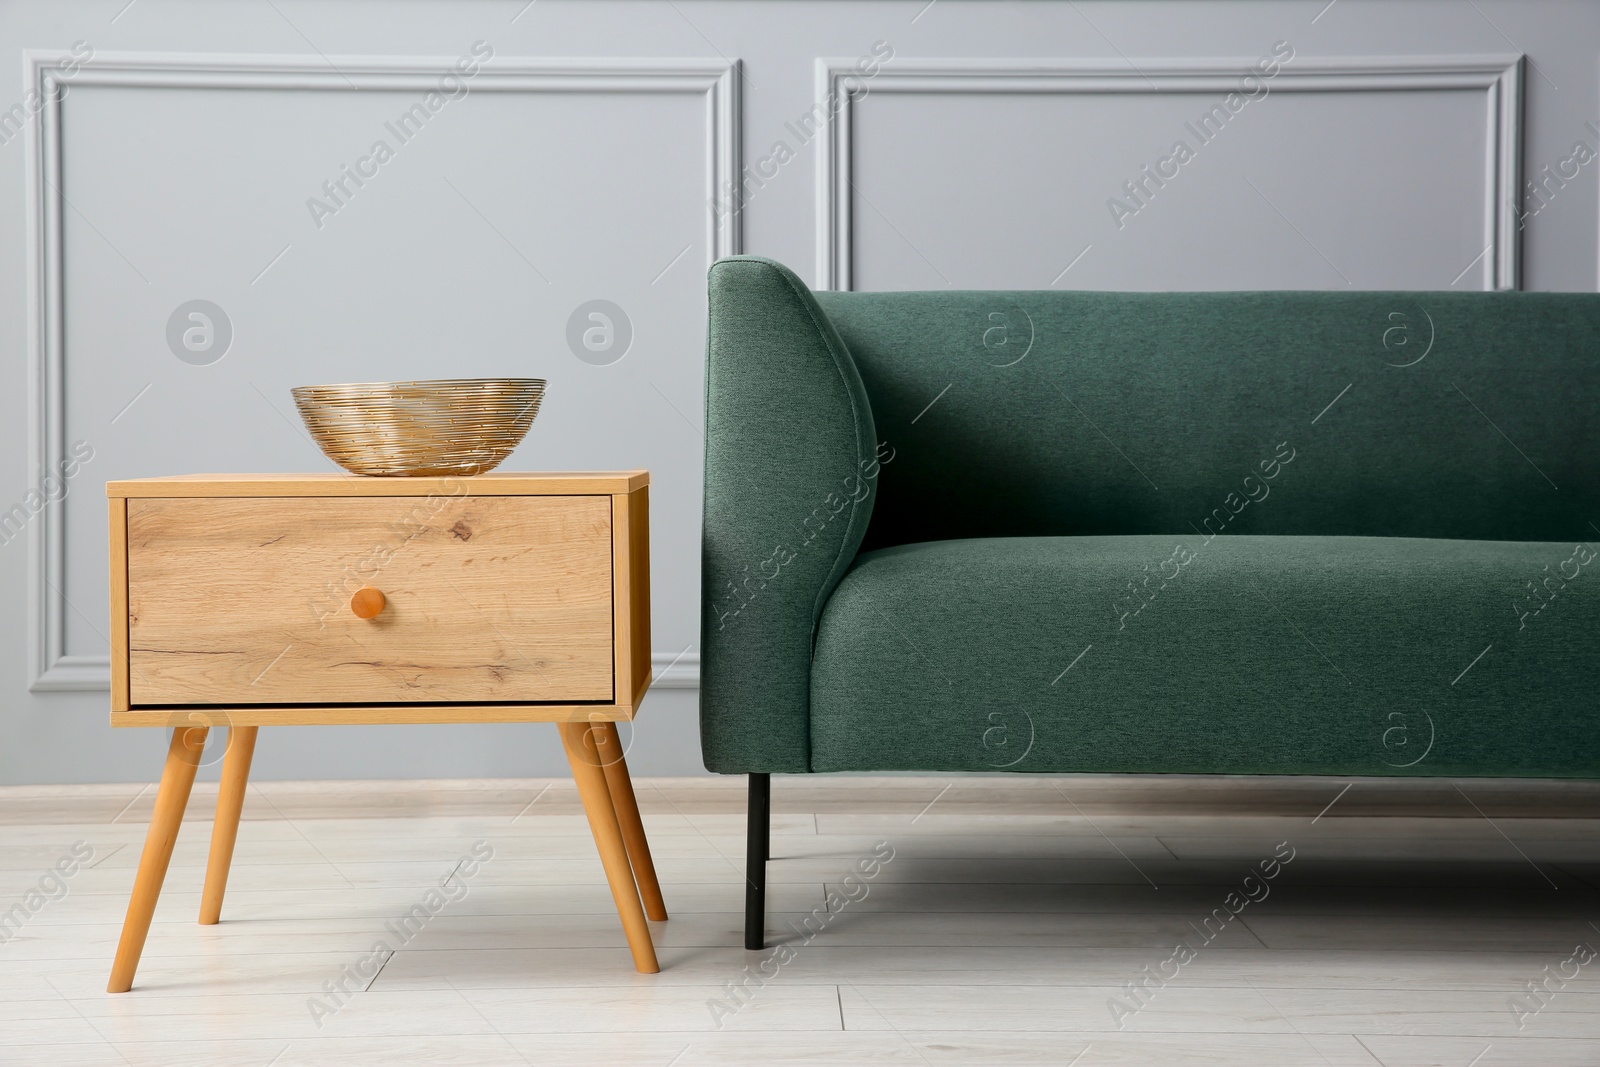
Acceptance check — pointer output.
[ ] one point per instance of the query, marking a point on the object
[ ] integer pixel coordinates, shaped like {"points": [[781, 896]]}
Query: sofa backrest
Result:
{"points": [[1414, 414]]}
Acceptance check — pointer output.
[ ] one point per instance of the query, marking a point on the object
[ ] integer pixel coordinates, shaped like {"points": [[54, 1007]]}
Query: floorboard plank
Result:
{"points": [[1003, 930]]}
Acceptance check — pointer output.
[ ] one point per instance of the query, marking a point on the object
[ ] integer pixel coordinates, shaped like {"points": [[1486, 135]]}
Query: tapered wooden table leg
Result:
{"points": [[225, 830], [183, 758], [596, 796], [608, 743]]}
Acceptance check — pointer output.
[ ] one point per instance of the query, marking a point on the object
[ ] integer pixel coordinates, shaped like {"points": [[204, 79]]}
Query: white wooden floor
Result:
{"points": [[1012, 912]]}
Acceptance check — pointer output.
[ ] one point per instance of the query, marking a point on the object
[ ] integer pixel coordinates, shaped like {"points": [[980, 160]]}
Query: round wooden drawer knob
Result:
{"points": [[367, 603]]}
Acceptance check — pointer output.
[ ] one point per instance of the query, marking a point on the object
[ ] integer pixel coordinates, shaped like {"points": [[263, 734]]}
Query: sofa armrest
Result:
{"points": [[790, 476]]}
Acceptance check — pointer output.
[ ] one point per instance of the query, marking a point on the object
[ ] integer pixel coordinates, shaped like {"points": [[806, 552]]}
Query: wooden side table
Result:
{"points": [[255, 600]]}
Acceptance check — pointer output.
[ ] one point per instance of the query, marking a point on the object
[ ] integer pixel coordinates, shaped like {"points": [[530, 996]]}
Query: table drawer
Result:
{"points": [[245, 600]]}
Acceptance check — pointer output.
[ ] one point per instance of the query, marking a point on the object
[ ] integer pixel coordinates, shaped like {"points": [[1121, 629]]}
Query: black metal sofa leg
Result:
{"points": [[757, 850]]}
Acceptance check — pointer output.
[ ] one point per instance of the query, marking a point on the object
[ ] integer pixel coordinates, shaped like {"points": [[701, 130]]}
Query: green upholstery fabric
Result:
{"points": [[790, 480], [1263, 655], [1194, 389], [1452, 436]]}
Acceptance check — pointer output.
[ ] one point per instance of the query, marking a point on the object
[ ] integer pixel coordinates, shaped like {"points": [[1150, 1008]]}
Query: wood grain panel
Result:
{"points": [[241, 601], [621, 584], [638, 603], [630, 524], [118, 538], [495, 483], [370, 714]]}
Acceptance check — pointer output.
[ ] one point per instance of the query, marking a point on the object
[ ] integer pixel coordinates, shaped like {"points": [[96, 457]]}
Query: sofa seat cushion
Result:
{"points": [[1242, 654]]}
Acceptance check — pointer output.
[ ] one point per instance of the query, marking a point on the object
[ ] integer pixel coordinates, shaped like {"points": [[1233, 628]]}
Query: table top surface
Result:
{"points": [[495, 483]]}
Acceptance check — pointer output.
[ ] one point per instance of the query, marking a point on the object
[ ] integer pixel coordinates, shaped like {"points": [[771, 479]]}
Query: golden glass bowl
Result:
{"points": [[459, 426]]}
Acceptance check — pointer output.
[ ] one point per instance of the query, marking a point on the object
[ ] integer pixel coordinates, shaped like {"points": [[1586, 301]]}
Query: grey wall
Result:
{"points": [[976, 144]]}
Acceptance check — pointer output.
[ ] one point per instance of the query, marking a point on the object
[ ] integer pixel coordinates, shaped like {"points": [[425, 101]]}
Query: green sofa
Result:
{"points": [[1239, 533]]}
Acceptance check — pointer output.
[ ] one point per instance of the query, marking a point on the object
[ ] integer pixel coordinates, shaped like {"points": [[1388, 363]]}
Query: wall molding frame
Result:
{"points": [[675, 670], [51, 666], [1499, 77]]}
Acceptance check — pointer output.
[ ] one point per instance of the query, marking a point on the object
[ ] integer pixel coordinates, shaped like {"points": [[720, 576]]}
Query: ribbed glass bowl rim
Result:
{"points": [[435, 383]]}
